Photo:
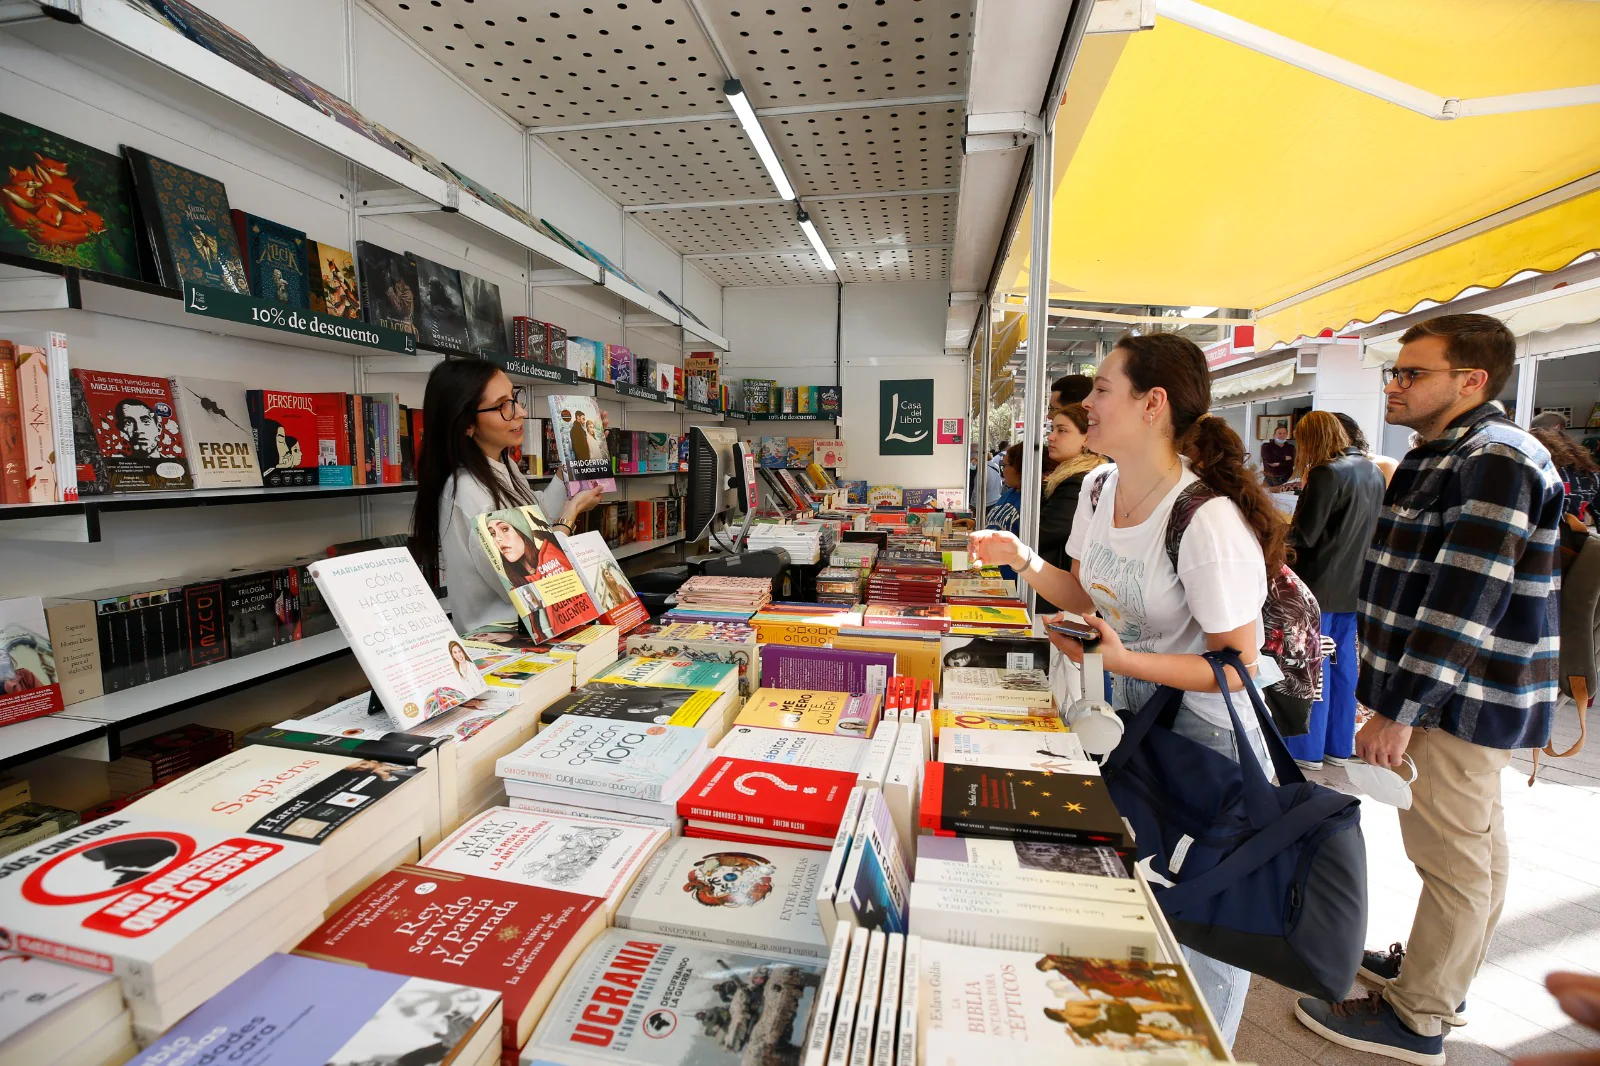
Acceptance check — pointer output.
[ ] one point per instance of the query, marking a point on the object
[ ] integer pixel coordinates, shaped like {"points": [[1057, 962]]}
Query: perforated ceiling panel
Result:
{"points": [[786, 268], [885, 220], [689, 163], [871, 150], [726, 229], [894, 264]]}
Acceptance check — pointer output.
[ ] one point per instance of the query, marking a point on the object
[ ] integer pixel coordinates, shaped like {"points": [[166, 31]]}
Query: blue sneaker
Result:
{"points": [[1369, 1024]]}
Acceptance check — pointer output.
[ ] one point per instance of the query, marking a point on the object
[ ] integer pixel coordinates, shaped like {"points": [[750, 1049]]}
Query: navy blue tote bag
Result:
{"points": [[1271, 878]]}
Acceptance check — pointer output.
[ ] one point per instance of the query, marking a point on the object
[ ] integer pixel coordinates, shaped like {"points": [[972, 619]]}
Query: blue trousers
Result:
{"points": [[1333, 717]]}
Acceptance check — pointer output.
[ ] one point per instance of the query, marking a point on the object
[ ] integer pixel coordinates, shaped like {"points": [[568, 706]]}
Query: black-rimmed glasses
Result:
{"points": [[1407, 375], [508, 409]]}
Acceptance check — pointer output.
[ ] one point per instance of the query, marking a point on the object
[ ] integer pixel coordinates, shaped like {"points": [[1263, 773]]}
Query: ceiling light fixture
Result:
{"points": [[809, 228], [758, 136]]}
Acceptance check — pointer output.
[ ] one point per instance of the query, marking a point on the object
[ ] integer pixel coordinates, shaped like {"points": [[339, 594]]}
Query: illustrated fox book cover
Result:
{"points": [[65, 202], [187, 225]]}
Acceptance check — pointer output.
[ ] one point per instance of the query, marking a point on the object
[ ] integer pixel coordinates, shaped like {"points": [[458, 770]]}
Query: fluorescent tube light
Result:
{"points": [[809, 228], [758, 136]]}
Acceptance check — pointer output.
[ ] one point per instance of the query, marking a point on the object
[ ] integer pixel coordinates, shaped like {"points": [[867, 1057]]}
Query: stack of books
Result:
{"points": [[986, 688], [725, 593], [802, 543], [717, 642], [644, 706], [166, 756], [841, 585], [711, 677], [53, 1014]]}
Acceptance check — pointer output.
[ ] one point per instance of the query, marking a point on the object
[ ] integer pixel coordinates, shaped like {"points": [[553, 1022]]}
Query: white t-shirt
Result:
{"points": [[476, 595], [1220, 583]]}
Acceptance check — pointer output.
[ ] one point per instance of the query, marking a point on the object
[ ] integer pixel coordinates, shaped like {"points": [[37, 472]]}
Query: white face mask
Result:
{"points": [[1382, 783]]}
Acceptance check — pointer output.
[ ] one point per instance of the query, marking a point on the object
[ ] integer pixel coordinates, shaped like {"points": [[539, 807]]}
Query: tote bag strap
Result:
{"points": [[1137, 725], [1282, 762], [1260, 802]]}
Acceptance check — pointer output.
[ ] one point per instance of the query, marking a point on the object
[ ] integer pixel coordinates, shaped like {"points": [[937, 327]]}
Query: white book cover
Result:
{"points": [[827, 998], [875, 766], [867, 1007], [32, 989], [590, 858], [903, 787], [602, 755], [1020, 691], [873, 889], [1017, 749], [61, 419], [973, 863], [1018, 921], [792, 748], [883, 1044], [405, 644], [844, 1020], [664, 819], [838, 855], [216, 427], [1025, 856], [905, 1038], [752, 897]]}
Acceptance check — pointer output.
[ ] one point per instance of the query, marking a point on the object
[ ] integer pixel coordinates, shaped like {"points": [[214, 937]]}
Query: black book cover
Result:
{"points": [[555, 345], [829, 399], [112, 626], [408, 465], [982, 801], [369, 430], [999, 653], [285, 606], [441, 311], [187, 224], [402, 749], [248, 601], [388, 287], [486, 323], [643, 704], [205, 624], [143, 646], [315, 617]]}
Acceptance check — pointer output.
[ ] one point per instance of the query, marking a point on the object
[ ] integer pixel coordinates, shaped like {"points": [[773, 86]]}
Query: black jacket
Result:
{"points": [[1333, 528], [1056, 511]]}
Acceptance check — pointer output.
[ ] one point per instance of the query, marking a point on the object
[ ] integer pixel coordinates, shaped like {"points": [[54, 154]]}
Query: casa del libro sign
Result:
{"points": [[905, 417]]}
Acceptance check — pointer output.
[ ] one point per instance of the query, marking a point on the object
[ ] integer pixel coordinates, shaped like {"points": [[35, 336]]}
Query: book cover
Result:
{"points": [[754, 900], [671, 673], [274, 259], [582, 356], [846, 714], [1060, 753], [919, 497], [546, 591], [825, 669], [335, 435], [608, 586], [486, 320], [400, 635], [639, 704], [1026, 921], [855, 491], [1027, 866], [1020, 652], [830, 400], [216, 423], [39, 998], [331, 276], [581, 443], [248, 606], [774, 452], [885, 496], [65, 202], [943, 718], [187, 223], [951, 499], [388, 289], [133, 441], [930, 619], [874, 888], [64, 418], [292, 1009], [29, 686], [960, 800], [788, 747], [286, 435], [513, 939], [993, 617], [35, 403], [602, 755], [798, 453], [755, 796], [830, 454], [588, 857], [441, 308], [984, 688], [620, 360], [727, 642], [13, 452]]}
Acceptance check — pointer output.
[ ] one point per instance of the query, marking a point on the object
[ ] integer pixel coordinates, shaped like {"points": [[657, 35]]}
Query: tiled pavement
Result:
{"points": [[1551, 922]]}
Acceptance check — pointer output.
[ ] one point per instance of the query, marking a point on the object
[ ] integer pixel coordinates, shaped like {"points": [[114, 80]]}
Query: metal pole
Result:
{"points": [[985, 349], [1033, 396]]}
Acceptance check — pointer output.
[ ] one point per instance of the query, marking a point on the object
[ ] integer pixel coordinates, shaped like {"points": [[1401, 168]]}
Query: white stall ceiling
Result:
{"points": [[868, 97]]}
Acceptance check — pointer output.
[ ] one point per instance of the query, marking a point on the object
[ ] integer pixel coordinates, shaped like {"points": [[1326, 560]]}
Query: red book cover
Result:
{"points": [[286, 436], [925, 695], [333, 428], [131, 432], [755, 836], [514, 939], [891, 698], [920, 619], [752, 796]]}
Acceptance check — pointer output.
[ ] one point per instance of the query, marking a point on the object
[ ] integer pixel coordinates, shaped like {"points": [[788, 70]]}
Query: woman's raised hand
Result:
{"points": [[996, 547]]}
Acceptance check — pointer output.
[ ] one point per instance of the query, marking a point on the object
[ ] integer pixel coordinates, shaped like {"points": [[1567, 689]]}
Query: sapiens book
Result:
{"points": [[665, 1001], [581, 443], [515, 940], [274, 259], [65, 202], [486, 321], [331, 279], [610, 757], [388, 287], [293, 1009], [126, 434], [764, 801], [845, 714], [825, 669], [400, 635], [441, 308], [29, 684], [755, 899], [186, 225], [286, 435], [216, 422], [960, 800], [608, 586], [544, 588], [639, 704]]}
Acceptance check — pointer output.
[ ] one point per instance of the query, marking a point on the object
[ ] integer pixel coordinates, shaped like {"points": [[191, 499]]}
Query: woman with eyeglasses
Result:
{"points": [[471, 420]]}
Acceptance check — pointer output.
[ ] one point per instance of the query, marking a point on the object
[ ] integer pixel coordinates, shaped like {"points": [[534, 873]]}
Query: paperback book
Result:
{"points": [[126, 434], [845, 714], [546, 591], [54, 1015], [581, 443], [792, 748], [609, 757], [825, 669], [874, 888], [608, 586], [959, 800], [641, 705], [216, 421], [287, 437], [726, 642], [737, 799]]}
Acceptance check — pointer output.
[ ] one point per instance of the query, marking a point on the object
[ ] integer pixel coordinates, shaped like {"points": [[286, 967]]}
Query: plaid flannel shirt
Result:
{"points": [[1460, 593]]}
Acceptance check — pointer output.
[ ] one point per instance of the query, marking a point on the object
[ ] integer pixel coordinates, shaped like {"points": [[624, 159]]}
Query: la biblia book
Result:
{"points": [[581, 443], [544, 588], [985, 801], [406, 646]]}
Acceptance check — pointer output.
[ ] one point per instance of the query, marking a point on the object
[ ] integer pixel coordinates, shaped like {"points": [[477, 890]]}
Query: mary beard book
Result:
{"points": [[984, 801]]}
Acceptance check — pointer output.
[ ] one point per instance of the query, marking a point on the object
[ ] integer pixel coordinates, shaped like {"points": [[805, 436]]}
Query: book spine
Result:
{"points": [[61, 419], [910, 989], [849, 995], [889, 1000], [1015, 921], [13, 460], [867, 1009], [827, 998], [38, 434]]}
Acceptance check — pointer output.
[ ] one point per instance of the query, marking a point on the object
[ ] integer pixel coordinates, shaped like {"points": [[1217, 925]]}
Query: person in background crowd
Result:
{"points": [[1459, 653], [1358, 440], [1549, 420], [993, 484], [1006, 512], [1277, 458], [1147, 414], [1069, 389], [1340, 496], [1067, 446], [1576, 467], [471, 419]]}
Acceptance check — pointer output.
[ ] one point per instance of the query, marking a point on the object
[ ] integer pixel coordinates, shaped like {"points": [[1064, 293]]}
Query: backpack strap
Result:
{"points": [[1095, 490], [1184, 508]]}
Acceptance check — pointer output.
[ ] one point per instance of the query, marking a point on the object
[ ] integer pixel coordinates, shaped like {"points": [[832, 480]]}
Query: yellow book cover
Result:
{"points": [[1001, 617], [918, 652], [948, 719], [829, 713]]}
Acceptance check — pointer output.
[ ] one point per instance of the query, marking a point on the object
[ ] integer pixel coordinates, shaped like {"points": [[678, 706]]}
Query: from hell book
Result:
{"points": [[127, 434], [985, 801]]}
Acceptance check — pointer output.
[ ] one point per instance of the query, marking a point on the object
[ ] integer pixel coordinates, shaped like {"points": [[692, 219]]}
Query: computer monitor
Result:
{"points": [[721, 479]]}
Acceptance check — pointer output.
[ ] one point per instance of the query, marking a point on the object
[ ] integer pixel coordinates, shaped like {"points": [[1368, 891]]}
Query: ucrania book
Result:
{"points": [[665, 1001], [400, 635], [545, 589]]}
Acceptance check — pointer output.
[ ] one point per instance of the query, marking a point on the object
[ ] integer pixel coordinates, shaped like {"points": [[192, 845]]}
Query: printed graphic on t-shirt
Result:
{"points": [[1116, 584]]}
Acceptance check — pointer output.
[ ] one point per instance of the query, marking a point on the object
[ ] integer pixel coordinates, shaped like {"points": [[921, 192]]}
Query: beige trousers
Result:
{"points": [[1455, 834]]}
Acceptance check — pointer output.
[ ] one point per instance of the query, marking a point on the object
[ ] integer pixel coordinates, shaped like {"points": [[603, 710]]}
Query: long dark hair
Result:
{"points": [[449, 409], [1214, 450]]}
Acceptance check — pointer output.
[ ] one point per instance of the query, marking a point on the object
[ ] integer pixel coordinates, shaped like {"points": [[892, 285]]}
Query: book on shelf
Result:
{"points": [[960, 800], [27, 468], [1072, 870], [649, 763], [756, 802], [876, 878], [581, 443], [31, 687], [293, 1009], [1022, 921], [400, 635], [166, 756], [186, 230], [544, 588], [830, 454], [287, 436], [607, 585], [846, 714], [388, 292], [22, 824], [331, 280], [512, 939], [336, 449], [980, 688], [486, 320], [441, 307], [753, 899], [53, 1014], [216, 421], [126, 435], [274, 259]]}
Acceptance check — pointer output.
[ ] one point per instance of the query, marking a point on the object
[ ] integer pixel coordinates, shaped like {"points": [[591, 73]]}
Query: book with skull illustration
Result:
{"points": [[752, 898], [187, 228], [757, 802], [216, 421]]}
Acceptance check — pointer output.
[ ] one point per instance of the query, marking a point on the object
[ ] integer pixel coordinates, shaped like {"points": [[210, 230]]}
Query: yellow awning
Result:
{"points": [[1213, 174]]}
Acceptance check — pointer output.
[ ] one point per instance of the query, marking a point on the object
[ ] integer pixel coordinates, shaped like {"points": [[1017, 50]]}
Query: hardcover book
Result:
{"points": [[665, 1001], [287, 437], [274, 259], [546, 591], [441, 308], [982, 801], [248, 605], [216, 422], [763, 800], [331, 275], [388, 287], [127, 435], [607, 756], [187, 225], [29, 686], [581, 443], [639, 704], [853, 715], [752, 899], [608, 586], [65, 202], [830, 454], [486, 321]]}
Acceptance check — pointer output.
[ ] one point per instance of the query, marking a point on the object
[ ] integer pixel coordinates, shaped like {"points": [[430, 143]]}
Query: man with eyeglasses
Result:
{"points": [[1457, 618]]}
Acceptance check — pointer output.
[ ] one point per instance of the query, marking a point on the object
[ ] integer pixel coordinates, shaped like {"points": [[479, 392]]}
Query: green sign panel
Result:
{"points": [[236, 307], [527, 368], [905, 417], [640, 392]]}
